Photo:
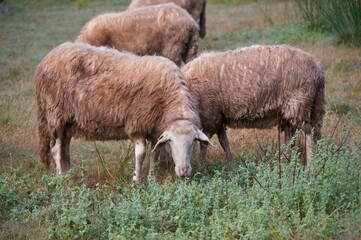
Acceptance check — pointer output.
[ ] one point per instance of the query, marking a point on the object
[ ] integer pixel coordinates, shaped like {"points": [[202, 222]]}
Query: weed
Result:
{"points": [[341, 107]]}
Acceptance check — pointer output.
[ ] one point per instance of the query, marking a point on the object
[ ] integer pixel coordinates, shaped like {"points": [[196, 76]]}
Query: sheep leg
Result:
{"points": [[173, 52], [55, 151], [289, 133], [44, 141], [60, 152], [139, 157], [223, 140], [203, 153], [65, 155], [202, 156], [44, 151], [153, 158]]}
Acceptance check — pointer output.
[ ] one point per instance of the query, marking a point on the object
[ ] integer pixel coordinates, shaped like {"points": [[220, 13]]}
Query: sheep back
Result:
{"points": [[103, 94], [195, 7], [256, 87], [145, 31]]}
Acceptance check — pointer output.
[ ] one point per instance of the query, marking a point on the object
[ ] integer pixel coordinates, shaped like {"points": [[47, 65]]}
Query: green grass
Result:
{"points": [[98, 199], [248, 201], [290, 34], [340, 17]]}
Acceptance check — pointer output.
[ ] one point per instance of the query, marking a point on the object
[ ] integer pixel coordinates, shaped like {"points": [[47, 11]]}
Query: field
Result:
{"points": [[256, 198]]}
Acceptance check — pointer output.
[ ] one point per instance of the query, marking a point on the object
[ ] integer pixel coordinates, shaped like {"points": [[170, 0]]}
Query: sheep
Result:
{"points": [[196, 8], [146, 31], [258, 87], [96, 93]]}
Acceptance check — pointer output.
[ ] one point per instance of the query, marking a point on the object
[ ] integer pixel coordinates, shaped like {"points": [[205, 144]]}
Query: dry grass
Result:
{"points": [[27, 34]]}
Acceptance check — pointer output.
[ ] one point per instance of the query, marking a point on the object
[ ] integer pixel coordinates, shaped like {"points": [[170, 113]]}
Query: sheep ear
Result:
{"points": [[163, 139], [202, 138]]}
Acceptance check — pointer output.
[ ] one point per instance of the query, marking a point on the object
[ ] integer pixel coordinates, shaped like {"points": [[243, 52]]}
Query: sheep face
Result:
{"points": [[180, 137]]}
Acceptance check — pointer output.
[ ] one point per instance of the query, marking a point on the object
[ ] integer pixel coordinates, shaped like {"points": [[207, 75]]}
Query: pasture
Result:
{"points": [[256, 198]]}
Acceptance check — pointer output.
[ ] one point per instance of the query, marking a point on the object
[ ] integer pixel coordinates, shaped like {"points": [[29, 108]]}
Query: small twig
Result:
{"points": [[334, 129], [266, 14], [252, 174], [279, 160], [294, 172], [114, 188], [102, 162], [332, 154]]}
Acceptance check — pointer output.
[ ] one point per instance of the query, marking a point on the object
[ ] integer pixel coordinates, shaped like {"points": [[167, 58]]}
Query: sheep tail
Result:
{"points": [[202, 21], [319, 107], [192, 46]]}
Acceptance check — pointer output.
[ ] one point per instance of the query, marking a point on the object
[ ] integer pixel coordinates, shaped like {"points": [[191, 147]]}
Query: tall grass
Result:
{"points": [[341, 17]]}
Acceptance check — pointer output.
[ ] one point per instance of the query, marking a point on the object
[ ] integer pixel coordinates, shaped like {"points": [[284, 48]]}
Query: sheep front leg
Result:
{"points": [[139, 157], [223, 140], [153, 158]]}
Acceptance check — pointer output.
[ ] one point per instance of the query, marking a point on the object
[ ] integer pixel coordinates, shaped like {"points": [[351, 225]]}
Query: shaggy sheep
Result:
{"points": [[96, 93], [258, 87], [196, 8], [165, 30]]}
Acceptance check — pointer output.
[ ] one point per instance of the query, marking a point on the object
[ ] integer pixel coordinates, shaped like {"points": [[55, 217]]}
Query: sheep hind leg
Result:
{"points": [[44, 142], [60, 153], [173, 52], [44, 151], [139, 157], [65, 155], [223, 140], [55, 151]]}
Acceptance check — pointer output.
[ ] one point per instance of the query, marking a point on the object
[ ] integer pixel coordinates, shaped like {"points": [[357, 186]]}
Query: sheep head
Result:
{"points": [[180, 136]]}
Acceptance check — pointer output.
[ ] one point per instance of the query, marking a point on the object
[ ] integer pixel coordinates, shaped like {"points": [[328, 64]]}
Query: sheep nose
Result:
{"points": [[183, 171]]}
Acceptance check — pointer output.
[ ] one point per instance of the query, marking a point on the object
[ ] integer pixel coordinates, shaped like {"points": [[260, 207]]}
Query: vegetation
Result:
{"points": [[256, 198], [250, 201], [341, 17]]}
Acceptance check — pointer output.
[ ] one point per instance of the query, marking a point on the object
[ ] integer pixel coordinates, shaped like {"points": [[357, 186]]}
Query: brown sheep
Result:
{"points": [[96, 93], [196, 8], [146, 31], [258, 87]]}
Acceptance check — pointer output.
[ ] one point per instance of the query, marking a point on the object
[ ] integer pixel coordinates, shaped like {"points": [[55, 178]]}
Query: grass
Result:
{"points": [[340, 17], [99, 200]]}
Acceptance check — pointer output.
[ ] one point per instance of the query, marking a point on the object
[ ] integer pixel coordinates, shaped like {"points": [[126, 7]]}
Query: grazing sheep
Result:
{"points": [[96, 93], [165, 30], [258, 87], [196, 8]]}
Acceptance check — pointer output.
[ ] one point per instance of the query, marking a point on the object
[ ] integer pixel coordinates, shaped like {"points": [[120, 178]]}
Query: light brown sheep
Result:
{"points": [[196, 8], [165, 30], [258, 87], [96, 93]]}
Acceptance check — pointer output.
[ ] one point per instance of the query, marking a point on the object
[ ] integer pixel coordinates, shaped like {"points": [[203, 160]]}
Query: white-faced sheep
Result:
{"points": [[165, 30], [258, 87], [96, 93], [196, 8]]}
